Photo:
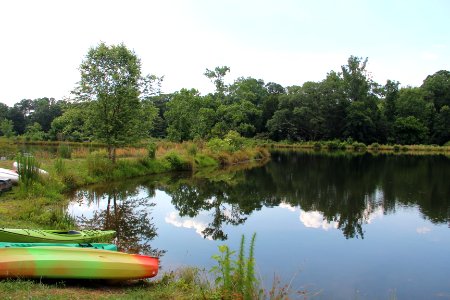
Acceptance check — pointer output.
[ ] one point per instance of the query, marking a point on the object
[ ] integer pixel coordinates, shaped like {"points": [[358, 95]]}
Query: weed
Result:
{"points": [[236, 277]]}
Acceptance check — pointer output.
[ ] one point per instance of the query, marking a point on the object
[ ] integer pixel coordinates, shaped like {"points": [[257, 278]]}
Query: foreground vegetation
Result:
{"points": [[35, 203]]}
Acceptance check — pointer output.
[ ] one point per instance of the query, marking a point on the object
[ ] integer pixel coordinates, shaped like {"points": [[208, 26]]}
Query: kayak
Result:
{"points": [[74, 263], [110, 247], [54, 236], [9, 174], [5, 185]]}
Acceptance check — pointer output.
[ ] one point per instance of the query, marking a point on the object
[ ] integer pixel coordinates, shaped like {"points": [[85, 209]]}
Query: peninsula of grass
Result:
{"points": [[71, 166]]}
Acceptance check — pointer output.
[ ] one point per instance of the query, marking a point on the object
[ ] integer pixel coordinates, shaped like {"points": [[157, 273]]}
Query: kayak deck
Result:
{"points": [[53, 236]]}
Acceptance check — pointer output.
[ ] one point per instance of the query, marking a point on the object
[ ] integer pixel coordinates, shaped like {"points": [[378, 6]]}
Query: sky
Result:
{"points": [[42, 43]]}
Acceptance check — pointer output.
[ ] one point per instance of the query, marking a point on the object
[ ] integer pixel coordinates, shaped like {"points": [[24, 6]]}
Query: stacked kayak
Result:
{"points": [[54, 236], [69, 255]]}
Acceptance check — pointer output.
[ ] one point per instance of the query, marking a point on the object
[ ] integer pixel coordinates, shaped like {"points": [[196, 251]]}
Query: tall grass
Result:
{"points": [[27, 168], [236, 277]]}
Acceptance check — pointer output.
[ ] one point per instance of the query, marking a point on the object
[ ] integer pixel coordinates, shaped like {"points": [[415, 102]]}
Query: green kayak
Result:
{"points": [[54, 236], [110, 247]]}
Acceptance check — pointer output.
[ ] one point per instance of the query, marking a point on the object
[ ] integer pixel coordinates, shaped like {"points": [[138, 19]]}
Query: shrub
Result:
{"points": [[317, 146], [218, 145], [333, 145], [192, 149], [64, 151], [151, 149], [234, 140], [396, 148], [176, 162], [359, 146], [98, 163], [375, 146]]}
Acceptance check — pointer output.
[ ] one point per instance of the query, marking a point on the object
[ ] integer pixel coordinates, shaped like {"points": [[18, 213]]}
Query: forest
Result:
{"points": [[345, 105]]}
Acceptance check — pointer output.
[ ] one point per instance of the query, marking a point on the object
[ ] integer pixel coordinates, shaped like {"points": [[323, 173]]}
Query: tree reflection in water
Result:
{"points": [[127, 213], [344, 188]]}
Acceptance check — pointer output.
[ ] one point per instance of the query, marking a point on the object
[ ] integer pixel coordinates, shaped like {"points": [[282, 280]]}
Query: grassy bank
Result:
{"points": [[72, 165]]}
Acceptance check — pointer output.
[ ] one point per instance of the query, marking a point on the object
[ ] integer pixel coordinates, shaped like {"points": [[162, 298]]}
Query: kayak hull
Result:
{"points": [[74, 263], [54, 236]]}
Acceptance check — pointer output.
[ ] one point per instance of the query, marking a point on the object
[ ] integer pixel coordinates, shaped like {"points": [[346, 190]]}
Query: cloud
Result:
{"points": [[174, 219], [287, 206], [423, 230], [315, 219]]}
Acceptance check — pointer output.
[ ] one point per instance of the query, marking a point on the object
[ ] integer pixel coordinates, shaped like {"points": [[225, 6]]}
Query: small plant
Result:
{"points": [[236, 277]]}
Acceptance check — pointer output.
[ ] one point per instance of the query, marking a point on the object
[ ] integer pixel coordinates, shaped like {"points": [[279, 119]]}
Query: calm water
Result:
{"points": [[339, 226]]}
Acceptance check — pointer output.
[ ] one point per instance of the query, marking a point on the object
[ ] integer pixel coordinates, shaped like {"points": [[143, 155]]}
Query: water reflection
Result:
{"points": [[121, 208], [339, 191]]}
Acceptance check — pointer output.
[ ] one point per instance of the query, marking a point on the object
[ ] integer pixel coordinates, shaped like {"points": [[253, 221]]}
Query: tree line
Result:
{"points": [[116, 104]]}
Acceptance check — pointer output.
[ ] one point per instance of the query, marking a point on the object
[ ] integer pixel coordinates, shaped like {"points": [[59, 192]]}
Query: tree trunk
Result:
{"points": [[112, 153]]}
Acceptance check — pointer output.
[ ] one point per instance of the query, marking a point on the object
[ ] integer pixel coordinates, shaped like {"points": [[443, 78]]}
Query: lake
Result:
{"points": [[336, 225]]}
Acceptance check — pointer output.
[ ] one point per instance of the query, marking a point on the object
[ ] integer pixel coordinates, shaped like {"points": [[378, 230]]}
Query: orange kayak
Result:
{"points": [[74, 263]]}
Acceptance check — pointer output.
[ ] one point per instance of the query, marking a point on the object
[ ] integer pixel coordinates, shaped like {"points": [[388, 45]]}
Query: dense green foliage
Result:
{"points": [[346, 105]]}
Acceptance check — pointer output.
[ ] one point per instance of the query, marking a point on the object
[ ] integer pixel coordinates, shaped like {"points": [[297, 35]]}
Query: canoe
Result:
{"points": [[74, 263], [54, 236], [9, 174], [110, 247]]}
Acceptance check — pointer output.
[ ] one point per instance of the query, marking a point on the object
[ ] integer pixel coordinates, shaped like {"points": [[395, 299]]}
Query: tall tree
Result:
{"points": [[217, 77], [437, 88], [111, 81]]}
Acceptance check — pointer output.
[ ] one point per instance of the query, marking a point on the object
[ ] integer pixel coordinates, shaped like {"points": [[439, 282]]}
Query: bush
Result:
{"points": [[333, 145], [359, 146], [192, 149], [204, 161], [234, 140], [151, 149], [317, 146], [396, 148], [375, 146], [98, 163], [218, 145], [64, 151], [176, 162]]}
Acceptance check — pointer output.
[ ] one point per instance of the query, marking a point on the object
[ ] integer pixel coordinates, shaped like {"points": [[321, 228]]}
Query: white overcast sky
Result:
{"points": [[288, 42]]}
